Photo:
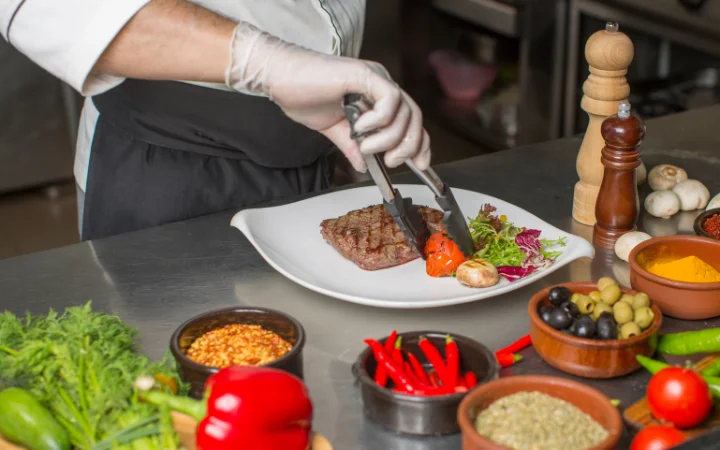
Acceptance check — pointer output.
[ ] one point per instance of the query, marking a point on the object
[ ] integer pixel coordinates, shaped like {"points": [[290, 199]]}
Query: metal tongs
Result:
{"points": [[405, 214]]}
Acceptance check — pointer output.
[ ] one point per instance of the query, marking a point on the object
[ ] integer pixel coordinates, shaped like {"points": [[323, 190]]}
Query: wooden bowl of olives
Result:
{"points": [[593, 330]]}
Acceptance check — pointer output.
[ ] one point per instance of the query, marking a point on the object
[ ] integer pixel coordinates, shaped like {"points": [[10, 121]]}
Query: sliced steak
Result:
{"points": [[370, 238]]}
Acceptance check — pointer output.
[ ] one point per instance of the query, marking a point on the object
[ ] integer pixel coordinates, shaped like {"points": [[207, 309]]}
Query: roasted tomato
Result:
{"points": [[443, 255], [679, 396], [657, 437]]}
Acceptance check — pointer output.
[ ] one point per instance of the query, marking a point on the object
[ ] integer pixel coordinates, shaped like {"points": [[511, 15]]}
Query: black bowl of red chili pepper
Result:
{"points": [[707, 224], [236, 336], [412, 383]]}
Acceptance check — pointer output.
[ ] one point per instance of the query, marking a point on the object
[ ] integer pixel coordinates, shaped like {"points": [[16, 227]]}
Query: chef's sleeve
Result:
{"points": [[67, 37]]}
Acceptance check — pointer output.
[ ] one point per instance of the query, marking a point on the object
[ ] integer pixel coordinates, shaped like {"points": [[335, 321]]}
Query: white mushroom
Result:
{"points": [[627, 242], [714, 203], [662, 204], [693, 195], [641, 173], [477, 273], [665, 176]]}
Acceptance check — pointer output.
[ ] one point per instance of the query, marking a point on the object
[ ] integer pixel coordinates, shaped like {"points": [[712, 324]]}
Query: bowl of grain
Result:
{"points": [[533, 412], [680, 273], [248, 336]]}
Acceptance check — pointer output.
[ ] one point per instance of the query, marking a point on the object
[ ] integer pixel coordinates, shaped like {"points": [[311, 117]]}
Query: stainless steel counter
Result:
{"points": [[157, 278]]}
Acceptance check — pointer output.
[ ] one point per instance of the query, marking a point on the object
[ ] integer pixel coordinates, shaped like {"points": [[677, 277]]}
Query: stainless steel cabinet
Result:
{"points": [[36, 140]]}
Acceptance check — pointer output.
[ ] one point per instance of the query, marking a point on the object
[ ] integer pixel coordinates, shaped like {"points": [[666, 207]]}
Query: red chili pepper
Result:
{"points": [[418, 369], [516, 346], [380, 373], [434, 379], [397, 352], [507, 359], [452, 354], [433, 391], [470, 380], [414, 378], [433, 355], [242, 411], [394, 370]]}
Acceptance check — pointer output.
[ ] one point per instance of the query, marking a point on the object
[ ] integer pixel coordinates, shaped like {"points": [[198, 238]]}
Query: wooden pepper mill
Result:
{"points": [[618, 202], [608, 53]]}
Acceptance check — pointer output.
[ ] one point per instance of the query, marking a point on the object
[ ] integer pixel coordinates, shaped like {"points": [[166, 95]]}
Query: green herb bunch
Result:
{"points": [[82, 364]]}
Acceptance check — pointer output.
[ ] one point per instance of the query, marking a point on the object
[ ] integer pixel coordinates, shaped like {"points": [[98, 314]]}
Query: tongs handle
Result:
{"points": [[354, 106]]}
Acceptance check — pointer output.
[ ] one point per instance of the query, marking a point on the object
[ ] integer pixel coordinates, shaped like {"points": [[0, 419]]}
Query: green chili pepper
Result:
{"points": [[654, 366], [690, 342], [713, 369]]}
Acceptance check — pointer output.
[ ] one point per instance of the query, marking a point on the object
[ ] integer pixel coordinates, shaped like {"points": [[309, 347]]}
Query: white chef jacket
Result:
{"points": [[67, 37]]}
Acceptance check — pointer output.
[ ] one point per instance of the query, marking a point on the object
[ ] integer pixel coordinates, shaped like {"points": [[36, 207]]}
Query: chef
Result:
{"points": [[197, 107]]}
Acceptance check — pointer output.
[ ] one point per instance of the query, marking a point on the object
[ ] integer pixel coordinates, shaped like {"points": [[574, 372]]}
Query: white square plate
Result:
{"points": [[289, 239]]}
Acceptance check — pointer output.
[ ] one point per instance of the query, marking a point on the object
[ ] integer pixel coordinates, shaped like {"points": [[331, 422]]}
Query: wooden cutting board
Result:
{"points": [[639, 416], [185, 428]]}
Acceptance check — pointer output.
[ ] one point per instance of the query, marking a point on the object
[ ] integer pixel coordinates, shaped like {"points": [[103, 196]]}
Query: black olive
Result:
{"points": [[606, 327], [571, 308], [585, 327], [544, 312], [559, 295], [573, 327], [559, 319]]}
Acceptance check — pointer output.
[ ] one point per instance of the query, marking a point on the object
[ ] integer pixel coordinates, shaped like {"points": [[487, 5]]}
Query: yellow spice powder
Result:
{"points": [[690, 269]]}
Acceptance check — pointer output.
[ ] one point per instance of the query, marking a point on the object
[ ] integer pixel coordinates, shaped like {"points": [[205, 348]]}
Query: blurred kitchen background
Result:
{"points": [[489, 75]]}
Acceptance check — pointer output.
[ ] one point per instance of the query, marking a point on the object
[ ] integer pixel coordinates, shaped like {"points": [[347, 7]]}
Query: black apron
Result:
{"points": [[168, 151]]}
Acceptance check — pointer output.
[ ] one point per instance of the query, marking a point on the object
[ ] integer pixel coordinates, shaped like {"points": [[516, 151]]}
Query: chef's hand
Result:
{"points": [[310, 86]]}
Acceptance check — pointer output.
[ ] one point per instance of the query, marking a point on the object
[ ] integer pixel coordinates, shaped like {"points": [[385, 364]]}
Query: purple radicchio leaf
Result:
{"points": [[512, 273], [529, 243]]}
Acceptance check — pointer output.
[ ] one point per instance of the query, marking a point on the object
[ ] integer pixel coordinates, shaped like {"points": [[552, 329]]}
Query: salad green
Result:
{"points": [[515, 251]]}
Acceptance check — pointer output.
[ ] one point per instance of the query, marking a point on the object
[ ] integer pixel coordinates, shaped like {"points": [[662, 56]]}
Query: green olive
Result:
{"points": [[644, 317], [595, 296], [623, 313], [605, 282], [629, 330], [585, 305], [574, 298], [627, 298], [641, 300], [600, 308], [611, 294]]}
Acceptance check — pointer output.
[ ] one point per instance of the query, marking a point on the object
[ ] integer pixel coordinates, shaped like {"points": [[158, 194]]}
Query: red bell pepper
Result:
{"points": [[248, 408]]}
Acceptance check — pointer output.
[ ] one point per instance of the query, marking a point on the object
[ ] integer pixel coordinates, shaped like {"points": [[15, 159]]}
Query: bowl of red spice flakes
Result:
{"points": [[707, 224], [412, 383], [236, 336]]}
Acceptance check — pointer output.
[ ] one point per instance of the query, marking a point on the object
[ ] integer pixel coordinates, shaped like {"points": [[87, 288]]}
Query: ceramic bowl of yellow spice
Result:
{"points": [[680, 273]]}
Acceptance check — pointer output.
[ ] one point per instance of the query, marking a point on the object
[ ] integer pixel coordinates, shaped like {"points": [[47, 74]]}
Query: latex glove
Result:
{"points": [[309, 87]]}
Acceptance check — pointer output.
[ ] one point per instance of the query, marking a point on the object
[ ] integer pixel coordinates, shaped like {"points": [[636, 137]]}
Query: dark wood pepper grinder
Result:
{"points": [[618, 202]]}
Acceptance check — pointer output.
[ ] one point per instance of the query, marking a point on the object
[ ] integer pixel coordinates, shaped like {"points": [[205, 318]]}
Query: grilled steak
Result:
{"points": [[370, 238]]}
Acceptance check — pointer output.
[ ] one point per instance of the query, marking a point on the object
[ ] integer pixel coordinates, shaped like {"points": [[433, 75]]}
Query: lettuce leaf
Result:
{"points": [[516, 252]]}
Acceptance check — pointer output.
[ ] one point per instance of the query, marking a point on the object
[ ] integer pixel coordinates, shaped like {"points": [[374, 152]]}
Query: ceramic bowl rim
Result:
{"points": [[183, 359], [700, 219], [640, 270], [596, 344], [361, 374], [597, 398]]}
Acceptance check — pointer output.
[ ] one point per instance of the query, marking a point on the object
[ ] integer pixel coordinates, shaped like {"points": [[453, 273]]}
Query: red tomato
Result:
{"points": [[679, 396], [443, 255], [657, 437]]}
